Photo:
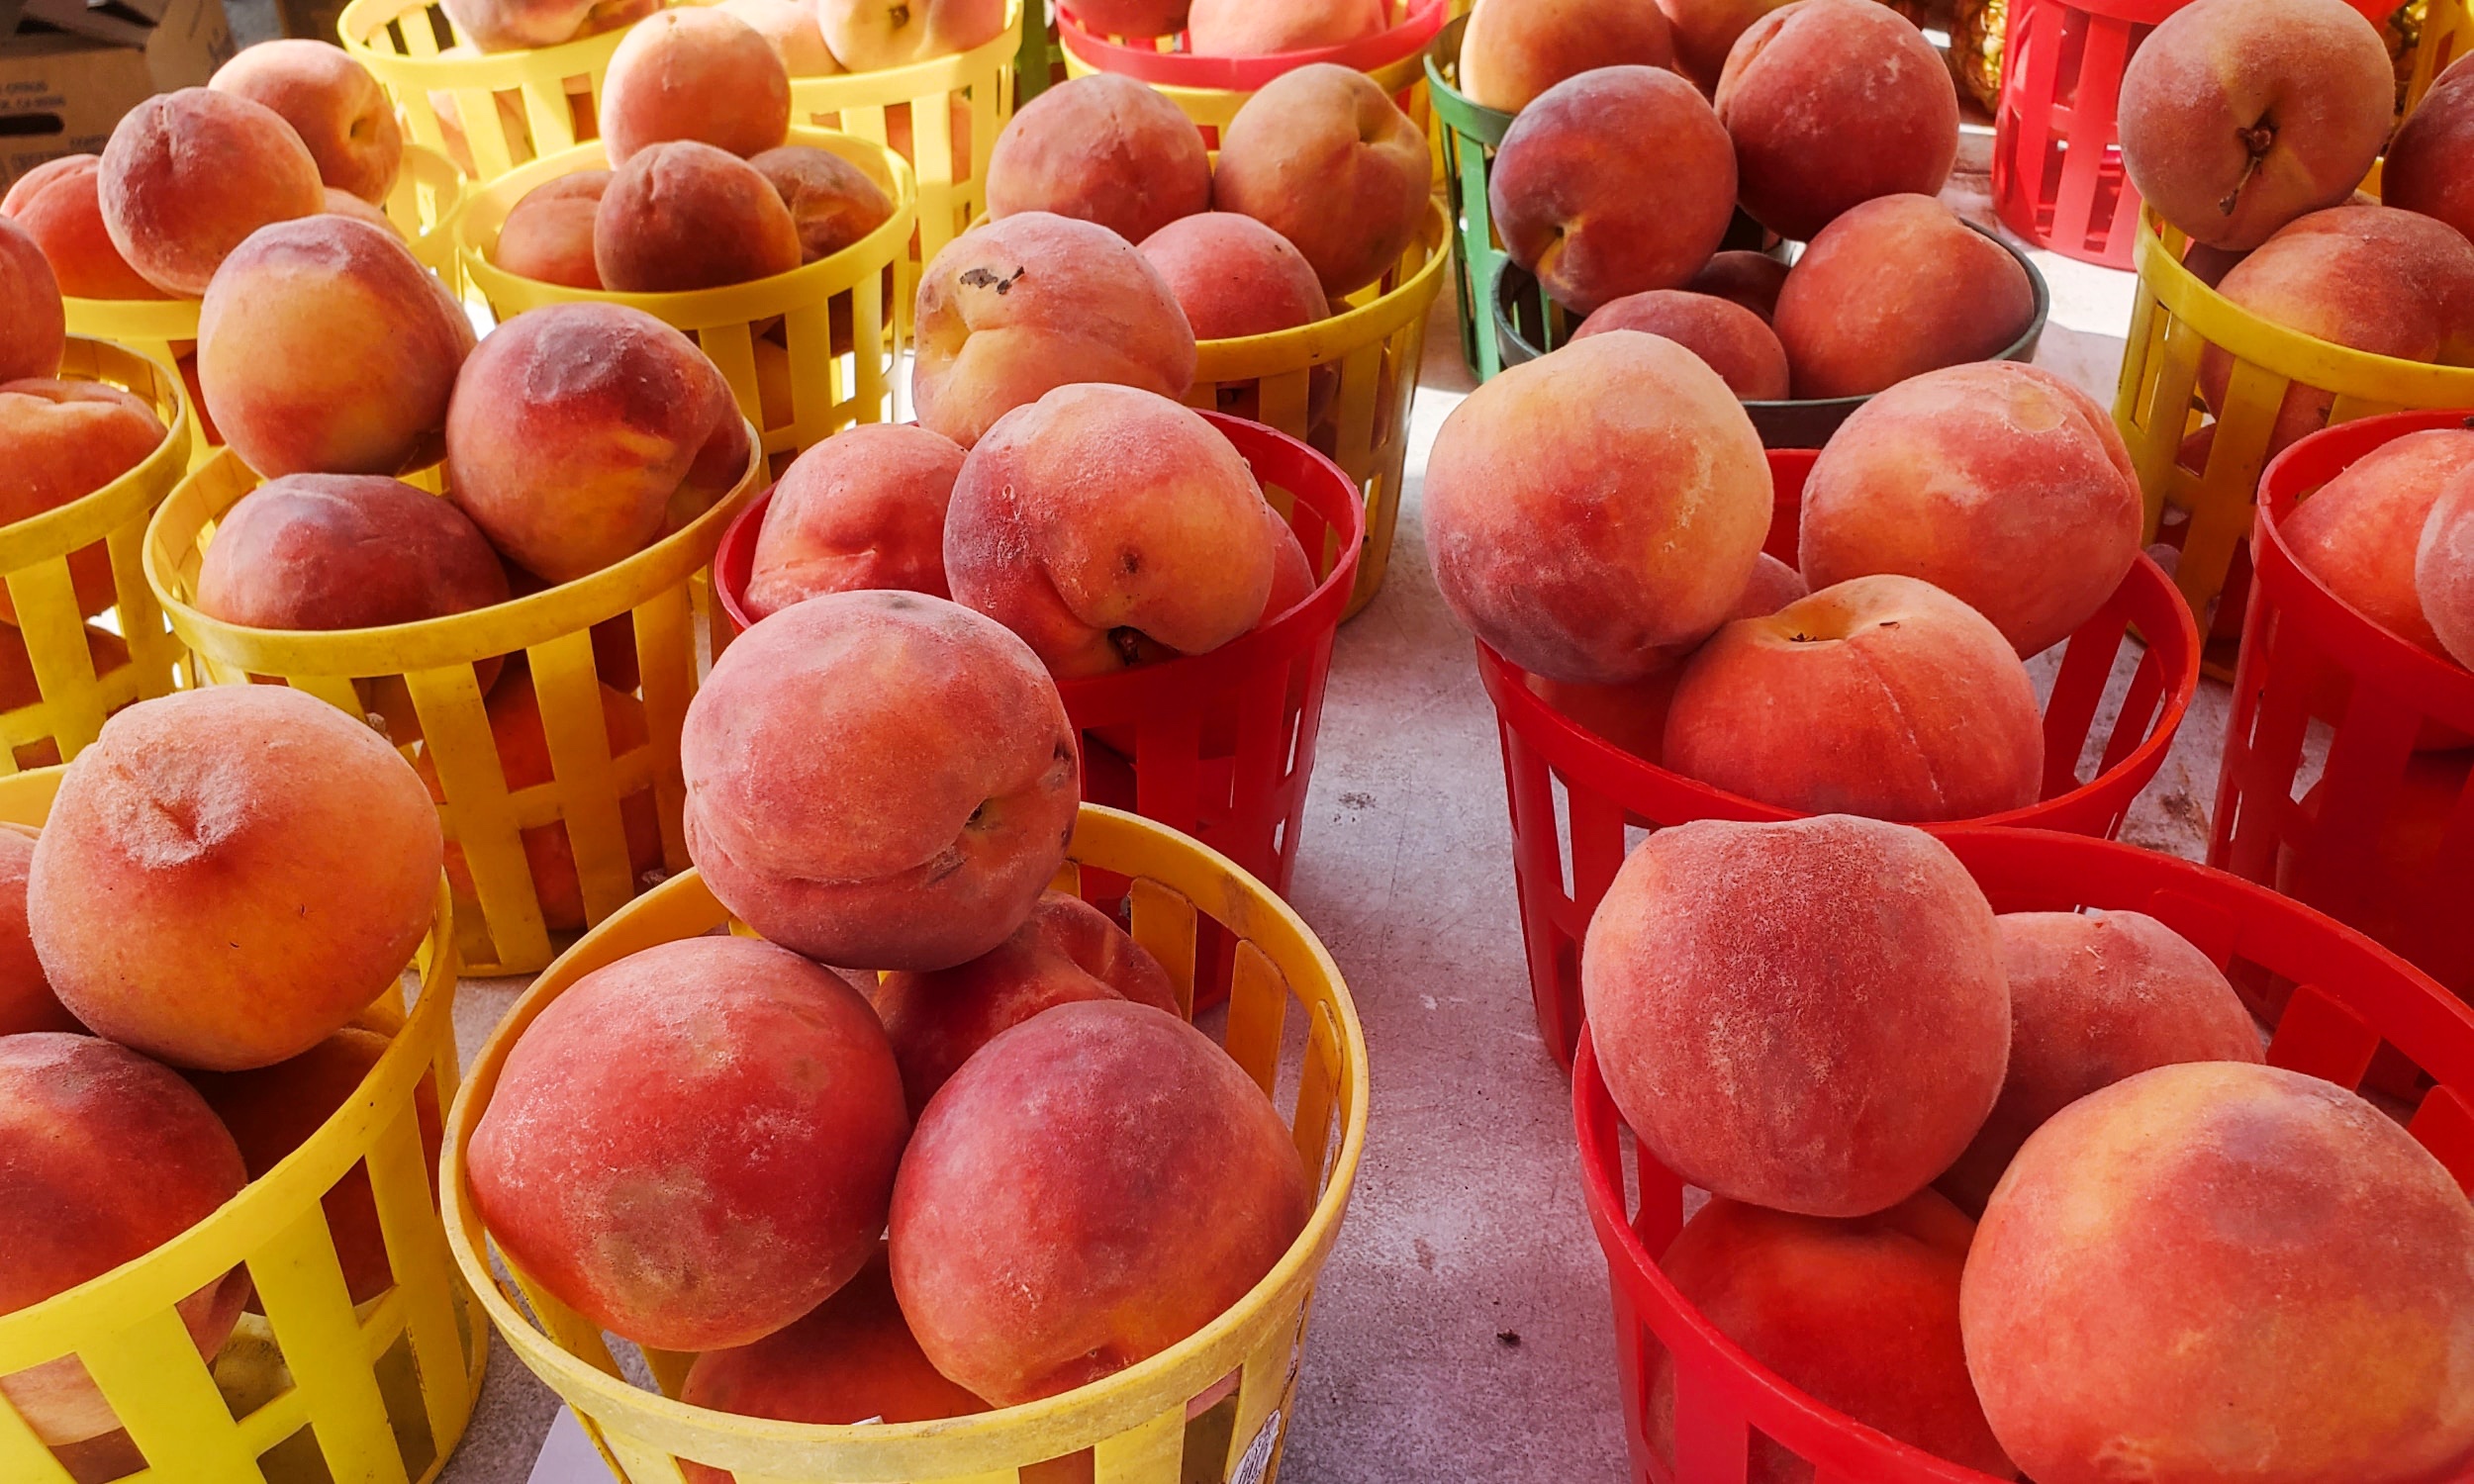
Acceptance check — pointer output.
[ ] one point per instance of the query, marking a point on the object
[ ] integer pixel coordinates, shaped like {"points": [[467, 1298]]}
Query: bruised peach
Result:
{"points": [[864, 508], [188, 176]]}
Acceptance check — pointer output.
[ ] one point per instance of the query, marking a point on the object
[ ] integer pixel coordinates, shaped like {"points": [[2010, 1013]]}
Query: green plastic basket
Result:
{"points": [[1469, 133], [1040, 59]]}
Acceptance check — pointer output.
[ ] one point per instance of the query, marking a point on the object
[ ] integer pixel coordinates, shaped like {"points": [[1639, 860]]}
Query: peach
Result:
{"points": [[63, 214], [694, 1146], [2443, 568], [864, 508], [1750, 279], [2002, 485], [1808, 1016], [2358, 532], [189, 176], [1271, 28], [1014, 309], [344, 117], [1615, 182], [549, 234], [1103, 149], [273, 1110], [324, 348], [1512, 50], [231, 873], [1323, 156], [34, 324], [1892, 289], [1097, 1184], [27, 186], [1591, 509], [687, 216], [1705, 30], [2237, 116], [2424, 169], [104, 1157], [1881, 695], [1860, 1315], [27, 1002], [1132, 18], [1734, 341], [317, 551], [66, 440], [1832, 103], [574, 425], [345, 204], [790, 27], [833, 202], [20, 687], [868, 36], [1067, 951], [1233, 276], [697, 73], [923, 838], [515, 25], [2219, 1271], [1108, 527]]}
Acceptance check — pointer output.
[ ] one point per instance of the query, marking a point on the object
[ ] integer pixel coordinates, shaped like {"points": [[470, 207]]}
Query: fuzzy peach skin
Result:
{"points": [[27, 1002], [1750, 279], [1132, 17], [1859, 1314], [63, 214], [1233, 276], [925, 835], [1092, 1188], [274, 1110], [34, 324], [2425, 167], [1894, 288], [2094, 997], [231, 873], [189, 176], [1705, 30], [1734, 341], [1106, 526], [1808, 1016], [1067, 953], [66, 440], [682, 215], [345, 204], [325, 348], [1591, 509], [1615, 182], [868, 36], [790, 27], [2001, 484], [573, 426], [1323, 156], [104, 1157], [344, 117], [1881, 695], [1832, 103], [864, 508], [2219, 1270], [1269, 28], [1512, 50], [27, 186], [548, 233], [832, 201], [320, 551], [1011, 310], [694, 1146], [515, 25], [1103, 149], [2359, 533], [2237, 116], [2444, 567], [20, 687], [694, 72]]}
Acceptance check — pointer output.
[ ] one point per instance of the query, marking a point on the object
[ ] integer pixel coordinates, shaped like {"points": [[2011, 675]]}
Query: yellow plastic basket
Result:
{"points": [[1136, 1421], [419, 680], [72, 699], [378, 1394], [798, 391], [2448, 33], [557, 91]]}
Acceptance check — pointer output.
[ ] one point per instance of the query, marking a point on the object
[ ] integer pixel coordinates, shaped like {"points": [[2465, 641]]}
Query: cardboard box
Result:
{"points": [[61, 93]]}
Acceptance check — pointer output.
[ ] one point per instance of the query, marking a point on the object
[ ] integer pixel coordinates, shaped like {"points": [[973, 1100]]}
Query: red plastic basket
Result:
{"points": [[2357, 1002], [2383, 838], [2057, 176], [1606, 791]]}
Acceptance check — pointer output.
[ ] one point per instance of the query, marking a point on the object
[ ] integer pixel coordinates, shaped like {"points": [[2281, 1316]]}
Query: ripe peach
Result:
{"points": [[1589, 509], [864, 508], [63, 214], [574, 425], [341, 115], [1750, 279], [27, 186], [1014, 309], [2357, 533], [694, 1146], [1615, 182], [230, 873], [1808, 1016], [790, 27], [1108, 527], [928, 834], [318, 551], [2424, 169], [1103, 149], [1894, 288], [1321, 156], [1097, 1184], [27, 1002], [1705, 30], [1731, 339], [345, 204], [1514, 50], [1233, 276], [324, 348], [515, 25], [1271, 28], [1860, 1315], [188, 175], [687, 216], [2237, 116], [20, 688], [694, 72], [2219, 1271], [832, 201], [66, 440], [2443, 568], [549, 234], [1132, 18], [104, 1157], [2002, 485], [868, 36], [34, 324]]}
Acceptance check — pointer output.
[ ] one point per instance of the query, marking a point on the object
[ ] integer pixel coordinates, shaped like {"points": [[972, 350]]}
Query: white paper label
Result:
{"points": [[1257, 1460]]}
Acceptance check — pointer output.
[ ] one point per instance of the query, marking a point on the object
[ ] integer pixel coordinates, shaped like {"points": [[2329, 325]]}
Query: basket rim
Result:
{"points": [[77, 523], [1128, 1394], [911, 82], [496, 71], [1336, 337], [1401, 41], [1459, 113]]}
